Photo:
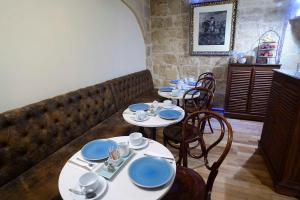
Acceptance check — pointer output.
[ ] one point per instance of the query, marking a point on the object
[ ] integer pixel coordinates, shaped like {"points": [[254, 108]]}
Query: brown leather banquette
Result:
{"points": [[36, 140]]}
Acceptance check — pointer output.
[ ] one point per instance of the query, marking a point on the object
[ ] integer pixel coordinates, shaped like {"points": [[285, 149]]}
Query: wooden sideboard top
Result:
{"points": [[291, 73], [255, 64]]}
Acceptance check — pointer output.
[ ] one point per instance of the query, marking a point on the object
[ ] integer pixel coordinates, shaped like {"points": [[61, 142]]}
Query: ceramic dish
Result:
{"points": [[169, 114], [97, 149], [140, 146], [165, 89], [150, 172], [138, 106], [100, 191]]}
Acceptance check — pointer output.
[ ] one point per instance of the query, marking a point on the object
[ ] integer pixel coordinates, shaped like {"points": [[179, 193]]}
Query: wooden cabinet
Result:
{"points": [[280, 140], [248, 89]]}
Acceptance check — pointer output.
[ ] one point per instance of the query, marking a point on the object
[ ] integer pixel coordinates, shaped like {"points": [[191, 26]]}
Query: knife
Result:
{"points": [[159, 156], [79, 165]]}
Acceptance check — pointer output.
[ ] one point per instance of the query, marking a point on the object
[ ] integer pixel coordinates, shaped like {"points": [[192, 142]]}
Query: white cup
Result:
{"points": [[135, 138], [155, 104], [89, 182], [175, 93], [140, 115], [167, 103], [123, 148]]}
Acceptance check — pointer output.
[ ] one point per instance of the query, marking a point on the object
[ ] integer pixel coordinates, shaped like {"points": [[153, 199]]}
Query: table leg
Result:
{"points": [[153, 132], [142, 130]]}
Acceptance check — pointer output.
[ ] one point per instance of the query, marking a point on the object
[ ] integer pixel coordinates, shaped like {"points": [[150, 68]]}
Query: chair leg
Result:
{"points": [[211, 130]]}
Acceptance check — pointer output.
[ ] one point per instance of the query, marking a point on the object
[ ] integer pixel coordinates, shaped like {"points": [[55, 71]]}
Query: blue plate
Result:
{"points": [[192, 83], [138, 106], [97, 149], [174, 81], [169, 114], [194, 92], [165, 89], [149, 172]]}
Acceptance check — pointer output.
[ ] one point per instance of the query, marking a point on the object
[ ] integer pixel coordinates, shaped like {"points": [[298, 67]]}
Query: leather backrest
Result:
{"points": [[31, 133], [128, 87]]}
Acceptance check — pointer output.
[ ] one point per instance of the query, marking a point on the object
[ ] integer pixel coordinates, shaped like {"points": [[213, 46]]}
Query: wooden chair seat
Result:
{"points": [[188, 185]]}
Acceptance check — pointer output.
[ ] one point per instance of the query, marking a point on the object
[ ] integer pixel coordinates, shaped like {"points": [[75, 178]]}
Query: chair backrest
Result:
{"points": [[220, 125], [207, 82], [196, 99], [206, 74]]}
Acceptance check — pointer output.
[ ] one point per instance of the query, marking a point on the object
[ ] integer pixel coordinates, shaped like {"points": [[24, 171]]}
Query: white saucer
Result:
{"points": [[140, 146], [100, 191], [140, 120]]}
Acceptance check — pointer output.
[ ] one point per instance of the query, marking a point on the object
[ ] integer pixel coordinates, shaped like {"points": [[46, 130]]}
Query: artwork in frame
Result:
{"points": [[212, 27]]}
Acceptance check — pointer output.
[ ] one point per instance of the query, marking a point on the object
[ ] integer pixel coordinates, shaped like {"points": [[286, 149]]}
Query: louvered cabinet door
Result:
{"points": [[239, 82], [260, 91], [248, 91]]}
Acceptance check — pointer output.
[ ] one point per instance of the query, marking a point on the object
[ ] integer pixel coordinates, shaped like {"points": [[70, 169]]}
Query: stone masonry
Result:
{"points": [[168, 56]]}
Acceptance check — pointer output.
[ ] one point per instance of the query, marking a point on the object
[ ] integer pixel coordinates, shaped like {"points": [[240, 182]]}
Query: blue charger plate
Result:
{"points": [[192, 83], [150, 172], [194, 92], [169, 114], [138, 106], [97, 149], [174, 81], [165, 89]]}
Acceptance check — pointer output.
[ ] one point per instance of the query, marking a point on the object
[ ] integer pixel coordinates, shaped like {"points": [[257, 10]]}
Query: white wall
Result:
{"points": [[50, 47], [290, 56]]}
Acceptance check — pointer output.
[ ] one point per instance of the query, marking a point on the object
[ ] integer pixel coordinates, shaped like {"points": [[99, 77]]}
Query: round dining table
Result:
{"points": [[120, 186], [154, 121]]}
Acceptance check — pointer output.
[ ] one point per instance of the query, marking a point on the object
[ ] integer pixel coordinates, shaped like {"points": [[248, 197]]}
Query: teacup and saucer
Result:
{"points": [[89, 184], [141, 116], [175, 92], [167, 104], [137, 141]]}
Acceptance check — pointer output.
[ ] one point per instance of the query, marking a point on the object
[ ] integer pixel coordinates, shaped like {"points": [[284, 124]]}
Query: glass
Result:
{"points": [[114, 153]]}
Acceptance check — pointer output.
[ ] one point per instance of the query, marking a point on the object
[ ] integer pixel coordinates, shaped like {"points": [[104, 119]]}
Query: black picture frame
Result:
{"points": [[212, 28]]}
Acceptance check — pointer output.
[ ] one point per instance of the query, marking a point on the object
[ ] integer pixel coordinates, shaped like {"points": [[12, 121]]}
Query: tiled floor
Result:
{"points": [[243, 175]]}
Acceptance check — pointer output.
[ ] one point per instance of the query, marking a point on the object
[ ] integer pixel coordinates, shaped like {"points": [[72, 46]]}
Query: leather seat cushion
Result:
{"points": [[188, 185], [41, 181]]}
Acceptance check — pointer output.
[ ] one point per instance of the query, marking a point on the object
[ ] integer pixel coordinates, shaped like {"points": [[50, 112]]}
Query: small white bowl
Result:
{"points": [[136, 138]]}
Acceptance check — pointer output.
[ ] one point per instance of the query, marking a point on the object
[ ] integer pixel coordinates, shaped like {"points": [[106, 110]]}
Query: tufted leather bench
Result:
{"points": [[36, 140]]}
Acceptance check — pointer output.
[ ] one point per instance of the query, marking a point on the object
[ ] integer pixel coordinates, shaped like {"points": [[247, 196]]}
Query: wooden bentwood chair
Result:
{"points": [[208, 81], [188, 184], [172, 134], [206, 74]]}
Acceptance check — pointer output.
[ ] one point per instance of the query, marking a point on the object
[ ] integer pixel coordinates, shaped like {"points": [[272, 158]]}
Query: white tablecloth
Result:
{"points": [[120, 187]]}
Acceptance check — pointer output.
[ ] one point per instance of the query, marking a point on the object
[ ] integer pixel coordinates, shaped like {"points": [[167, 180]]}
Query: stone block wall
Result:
{"points": [[168, 54]]}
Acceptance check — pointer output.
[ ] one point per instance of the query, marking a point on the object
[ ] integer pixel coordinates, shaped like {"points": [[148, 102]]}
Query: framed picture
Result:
{"points": [[212, 27]]}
